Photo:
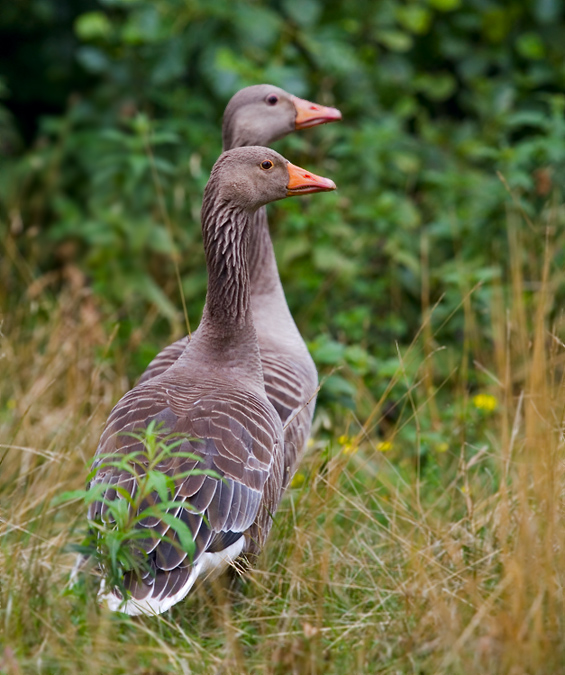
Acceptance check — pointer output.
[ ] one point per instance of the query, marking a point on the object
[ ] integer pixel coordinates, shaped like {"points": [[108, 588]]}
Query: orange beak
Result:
{"points": [[302, 182], [310, 114]]}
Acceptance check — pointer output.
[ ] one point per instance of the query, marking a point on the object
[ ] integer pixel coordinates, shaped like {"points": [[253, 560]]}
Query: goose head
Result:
{"points": [[263, 113], [250, 177]]}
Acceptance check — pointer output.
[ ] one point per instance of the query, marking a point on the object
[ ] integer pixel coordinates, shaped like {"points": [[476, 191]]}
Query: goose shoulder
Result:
{"points": [[242, 424], [165, 359]]}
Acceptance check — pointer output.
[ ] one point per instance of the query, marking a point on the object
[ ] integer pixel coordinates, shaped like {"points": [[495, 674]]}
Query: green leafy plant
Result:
{"points": [[439, 100], [112, 542]]}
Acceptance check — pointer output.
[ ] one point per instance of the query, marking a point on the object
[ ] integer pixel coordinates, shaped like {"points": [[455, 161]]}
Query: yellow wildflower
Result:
{"points": [[384, 446], [486, 402], [348, 444], [442, 447], [298, 480]]}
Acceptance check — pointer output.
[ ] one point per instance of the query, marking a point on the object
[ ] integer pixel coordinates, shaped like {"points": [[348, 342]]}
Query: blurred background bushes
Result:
{"points": [[110, 117]]}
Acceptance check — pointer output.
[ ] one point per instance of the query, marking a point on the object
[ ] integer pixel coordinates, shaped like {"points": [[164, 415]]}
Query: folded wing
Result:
{"points": [[232, 446]]}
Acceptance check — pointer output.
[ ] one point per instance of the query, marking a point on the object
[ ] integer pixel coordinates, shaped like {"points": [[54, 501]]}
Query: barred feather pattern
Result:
{"points": [[236, 436], [291, 386], [226, 251]]}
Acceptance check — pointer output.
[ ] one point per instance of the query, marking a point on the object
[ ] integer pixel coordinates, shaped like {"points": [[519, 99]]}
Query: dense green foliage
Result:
{"points": [[116, 112]]}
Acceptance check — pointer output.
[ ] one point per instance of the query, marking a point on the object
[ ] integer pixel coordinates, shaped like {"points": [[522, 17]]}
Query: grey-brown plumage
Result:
{"points": [[214, 397], [291, 380]]}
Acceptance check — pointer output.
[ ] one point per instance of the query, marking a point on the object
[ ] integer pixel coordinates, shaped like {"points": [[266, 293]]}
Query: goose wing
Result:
{"points": [[291, 387], [227, 444]]}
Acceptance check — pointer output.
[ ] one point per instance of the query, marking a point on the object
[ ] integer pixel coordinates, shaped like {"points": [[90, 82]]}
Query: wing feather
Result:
{"points": [[232, 438], [219, 507], [290, 383]]}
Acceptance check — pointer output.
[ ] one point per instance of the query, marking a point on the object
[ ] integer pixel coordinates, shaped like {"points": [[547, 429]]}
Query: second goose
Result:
{"points": [[259, 115]]}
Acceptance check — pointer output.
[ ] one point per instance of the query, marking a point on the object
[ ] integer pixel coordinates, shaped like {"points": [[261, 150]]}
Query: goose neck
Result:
{"points": [[263, 272], [226, 234]]}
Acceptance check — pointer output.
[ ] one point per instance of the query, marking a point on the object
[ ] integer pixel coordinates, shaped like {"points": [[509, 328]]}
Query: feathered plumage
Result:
{"points": [[227, 463]]}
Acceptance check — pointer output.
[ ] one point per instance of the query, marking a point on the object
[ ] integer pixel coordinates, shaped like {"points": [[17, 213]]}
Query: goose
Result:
{"points": [[259, 115], [227, 452]]}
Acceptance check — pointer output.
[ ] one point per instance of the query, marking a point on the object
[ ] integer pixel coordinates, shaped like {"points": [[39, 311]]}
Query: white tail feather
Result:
{"points": [[208, 564]]}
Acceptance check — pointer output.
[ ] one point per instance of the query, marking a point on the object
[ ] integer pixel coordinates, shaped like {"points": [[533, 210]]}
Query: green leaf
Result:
{"points": [[415, 18], [93, 25], [445, 5], [327, 352], [339, 388], [93, 60], [149, 289], [184, 534], [530, 46], [160, 483], [304, 12], [395, 40]]}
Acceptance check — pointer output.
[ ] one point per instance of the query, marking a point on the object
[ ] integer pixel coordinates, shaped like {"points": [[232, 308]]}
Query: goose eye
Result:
{"points": [[272, 99], [267, 164]]}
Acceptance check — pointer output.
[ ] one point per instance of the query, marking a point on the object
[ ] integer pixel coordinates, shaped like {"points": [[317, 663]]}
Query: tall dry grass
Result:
{"points": [[376, 564]]}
